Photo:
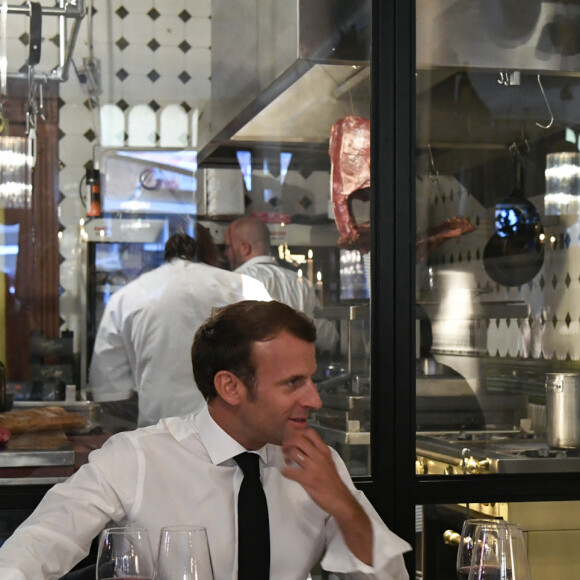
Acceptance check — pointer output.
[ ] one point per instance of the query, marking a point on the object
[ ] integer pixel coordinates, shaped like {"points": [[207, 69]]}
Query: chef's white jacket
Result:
{"points": [[144, 339], [284, 285], [182, 472]]}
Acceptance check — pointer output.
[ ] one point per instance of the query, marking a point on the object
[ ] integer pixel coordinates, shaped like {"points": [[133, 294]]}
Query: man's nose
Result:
{"points": [[312, 398]]}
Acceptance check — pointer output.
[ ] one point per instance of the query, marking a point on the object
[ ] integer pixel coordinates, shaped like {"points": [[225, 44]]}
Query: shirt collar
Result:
{"points": [[219, 445], [259, 260]]}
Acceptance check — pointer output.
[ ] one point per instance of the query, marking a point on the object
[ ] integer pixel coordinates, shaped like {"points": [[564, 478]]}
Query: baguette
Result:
{"points": [[41, 419]]}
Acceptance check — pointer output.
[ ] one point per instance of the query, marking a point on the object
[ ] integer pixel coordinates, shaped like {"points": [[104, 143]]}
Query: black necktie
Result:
{"points": [[253, 526]]}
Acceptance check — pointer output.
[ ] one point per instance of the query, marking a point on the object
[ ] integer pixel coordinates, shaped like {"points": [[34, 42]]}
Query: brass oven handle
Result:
{"points": [[471, 465], [451, 538]]}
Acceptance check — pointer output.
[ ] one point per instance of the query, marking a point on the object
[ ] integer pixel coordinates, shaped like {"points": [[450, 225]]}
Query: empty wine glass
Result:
{"points": [[465, 548], [183, 554], [124, 553], [499, 553]]}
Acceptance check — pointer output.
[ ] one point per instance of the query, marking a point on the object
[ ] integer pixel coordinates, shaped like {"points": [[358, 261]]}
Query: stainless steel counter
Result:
{"points": [[44, 457]]}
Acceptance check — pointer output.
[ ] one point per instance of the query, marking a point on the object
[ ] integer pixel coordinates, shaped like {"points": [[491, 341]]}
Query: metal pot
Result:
{"points": [[563, 410]]}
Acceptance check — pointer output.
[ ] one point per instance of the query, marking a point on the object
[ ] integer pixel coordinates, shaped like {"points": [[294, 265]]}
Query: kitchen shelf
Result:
{"points": [[481, 310], [343, 312], [344, 437]]}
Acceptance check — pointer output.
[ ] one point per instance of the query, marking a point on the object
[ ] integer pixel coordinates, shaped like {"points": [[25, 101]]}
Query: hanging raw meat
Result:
{"points": [[429, 240], [350, 175]]}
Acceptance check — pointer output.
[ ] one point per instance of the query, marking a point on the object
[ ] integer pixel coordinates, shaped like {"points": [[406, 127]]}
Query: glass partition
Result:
{"points": [[295, 123], [497, 274], [275, 125]]}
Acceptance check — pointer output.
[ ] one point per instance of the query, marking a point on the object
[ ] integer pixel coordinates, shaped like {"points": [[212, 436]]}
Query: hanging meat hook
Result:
{"points": [[433, 172], [547, 105]]}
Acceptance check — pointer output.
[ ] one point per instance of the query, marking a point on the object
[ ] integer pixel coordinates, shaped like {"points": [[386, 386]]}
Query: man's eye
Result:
{"points": [[296, 383]]}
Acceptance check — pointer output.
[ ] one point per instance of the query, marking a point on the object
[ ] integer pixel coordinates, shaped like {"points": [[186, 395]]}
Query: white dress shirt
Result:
{"points": [[182, 472], [144, 339], [286, 286]]}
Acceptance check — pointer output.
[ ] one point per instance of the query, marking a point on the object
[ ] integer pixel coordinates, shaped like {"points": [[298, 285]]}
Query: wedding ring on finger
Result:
{"points": [[300, 458]]}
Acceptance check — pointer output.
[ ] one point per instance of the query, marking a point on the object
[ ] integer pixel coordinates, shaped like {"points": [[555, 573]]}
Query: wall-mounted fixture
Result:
{"points": [[65, 10], [15, 172]]}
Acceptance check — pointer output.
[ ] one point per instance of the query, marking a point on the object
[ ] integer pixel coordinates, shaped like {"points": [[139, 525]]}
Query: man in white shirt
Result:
{"points": [[253, 362], [144, 337], [248, 251]]}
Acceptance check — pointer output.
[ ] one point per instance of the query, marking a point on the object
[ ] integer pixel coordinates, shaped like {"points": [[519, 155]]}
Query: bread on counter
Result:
{"points": [[41, 419]]}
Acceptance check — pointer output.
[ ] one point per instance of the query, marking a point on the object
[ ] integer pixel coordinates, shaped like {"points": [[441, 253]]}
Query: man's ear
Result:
{"points": [[246, 248], [228, 387]]}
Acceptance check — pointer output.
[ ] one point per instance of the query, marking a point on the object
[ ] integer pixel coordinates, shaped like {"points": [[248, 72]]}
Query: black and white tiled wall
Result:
{"points": [[153, 52], [148, 52], [551, 329]]}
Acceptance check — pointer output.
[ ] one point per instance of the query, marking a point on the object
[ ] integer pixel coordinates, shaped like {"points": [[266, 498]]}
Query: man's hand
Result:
{"points": [[310, 463]]}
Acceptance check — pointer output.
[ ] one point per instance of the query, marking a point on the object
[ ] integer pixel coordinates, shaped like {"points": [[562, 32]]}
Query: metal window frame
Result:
{"points": [[393, 487]]}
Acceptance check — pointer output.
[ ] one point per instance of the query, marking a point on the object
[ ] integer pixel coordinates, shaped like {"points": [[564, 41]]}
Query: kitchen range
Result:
{"points": [[479, 452]]}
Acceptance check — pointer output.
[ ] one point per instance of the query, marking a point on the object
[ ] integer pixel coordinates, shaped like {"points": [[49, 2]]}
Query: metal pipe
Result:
{"points": [[62, 35], [70, 47]]}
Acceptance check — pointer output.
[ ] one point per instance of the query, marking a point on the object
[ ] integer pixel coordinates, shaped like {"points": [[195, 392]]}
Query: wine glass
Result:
{"points": [[499, 553], [465, 548], [183, 554], [124, 553]]}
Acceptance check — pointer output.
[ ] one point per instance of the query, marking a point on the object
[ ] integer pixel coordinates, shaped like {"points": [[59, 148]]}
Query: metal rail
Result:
{"points": [[67, 9]]}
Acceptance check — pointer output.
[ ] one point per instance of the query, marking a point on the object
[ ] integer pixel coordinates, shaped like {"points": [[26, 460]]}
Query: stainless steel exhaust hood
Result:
{"points": [[283, 71]]}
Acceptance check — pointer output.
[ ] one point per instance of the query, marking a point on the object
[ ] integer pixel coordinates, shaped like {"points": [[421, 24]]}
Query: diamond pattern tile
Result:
{"points": [[184, 46], [184, 15], [153, 75], [184, 77], [122, 43], [122, 74], [89, 135], [153, 14], [153, 44]]}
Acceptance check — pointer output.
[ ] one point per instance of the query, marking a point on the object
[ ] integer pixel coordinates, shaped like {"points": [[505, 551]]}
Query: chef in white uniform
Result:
{"points": [[248, 251], [144, 338]]}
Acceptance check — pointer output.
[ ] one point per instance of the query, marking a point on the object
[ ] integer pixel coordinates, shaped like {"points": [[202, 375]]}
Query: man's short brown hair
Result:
{"points": [[225, 340]]}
